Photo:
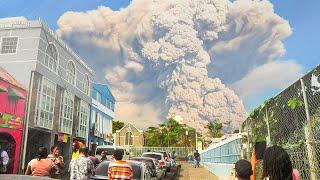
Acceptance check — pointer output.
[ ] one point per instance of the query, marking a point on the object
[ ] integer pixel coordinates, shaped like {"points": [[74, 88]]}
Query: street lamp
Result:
{"points": [[186, 142]]}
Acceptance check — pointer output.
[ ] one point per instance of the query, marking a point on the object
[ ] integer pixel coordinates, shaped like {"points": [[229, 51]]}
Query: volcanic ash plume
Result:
{"points": [[164, 58], [178, 51]]}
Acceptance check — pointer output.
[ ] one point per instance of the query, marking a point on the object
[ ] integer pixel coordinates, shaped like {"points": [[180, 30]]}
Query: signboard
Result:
{"points": [[63, 138], [10, 121]]}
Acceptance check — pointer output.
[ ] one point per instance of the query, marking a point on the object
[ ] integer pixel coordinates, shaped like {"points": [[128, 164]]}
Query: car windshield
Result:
{"points": [[155, 156], [109, 151]]}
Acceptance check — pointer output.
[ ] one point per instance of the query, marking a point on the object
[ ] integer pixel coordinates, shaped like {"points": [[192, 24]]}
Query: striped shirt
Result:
{"points": [[120, 170]]}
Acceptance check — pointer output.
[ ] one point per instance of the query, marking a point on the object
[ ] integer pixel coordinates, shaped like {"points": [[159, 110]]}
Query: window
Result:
{"points": [[83, 119], [86, 85], [98, 98], [71, 73], [45, 103], [67, 113], [9, 45], [51, 57], [112, 107], [97, 126], [129, 139]]}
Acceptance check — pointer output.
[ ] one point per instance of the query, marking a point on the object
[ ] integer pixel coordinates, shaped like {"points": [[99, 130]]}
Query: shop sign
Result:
{"points": [[10, 121], [63, 138]]}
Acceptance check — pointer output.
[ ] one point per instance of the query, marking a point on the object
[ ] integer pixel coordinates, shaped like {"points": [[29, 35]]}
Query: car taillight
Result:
{"points": [[162, 163]]}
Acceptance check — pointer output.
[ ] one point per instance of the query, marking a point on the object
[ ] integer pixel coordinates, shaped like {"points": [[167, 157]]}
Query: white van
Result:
{"points": [[110, 150]]}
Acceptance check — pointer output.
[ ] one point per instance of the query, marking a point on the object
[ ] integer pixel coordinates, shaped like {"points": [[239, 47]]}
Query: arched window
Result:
{"points": [[86, 85], [71, 72], [129, 139], [51, 58]]}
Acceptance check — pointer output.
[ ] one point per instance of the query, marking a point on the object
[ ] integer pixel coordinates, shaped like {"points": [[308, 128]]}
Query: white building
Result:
{"points": [[58, 83]]}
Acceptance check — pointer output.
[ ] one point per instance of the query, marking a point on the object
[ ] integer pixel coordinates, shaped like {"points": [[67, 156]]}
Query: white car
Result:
{"points": [[161, 158], [110, 150]]}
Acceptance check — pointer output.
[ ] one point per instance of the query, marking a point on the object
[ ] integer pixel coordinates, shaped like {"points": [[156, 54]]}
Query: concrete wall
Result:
{"points": [[223, 171], [221, 157]]}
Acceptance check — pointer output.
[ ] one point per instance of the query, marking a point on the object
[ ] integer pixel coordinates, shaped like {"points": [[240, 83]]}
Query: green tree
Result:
{"points": [[170, 133], [117, 125], [215, 129]]}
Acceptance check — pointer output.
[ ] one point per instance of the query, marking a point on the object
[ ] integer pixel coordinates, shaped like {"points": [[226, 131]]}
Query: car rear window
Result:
{"points": [[155, 156], [149, 162], [110, 151]]}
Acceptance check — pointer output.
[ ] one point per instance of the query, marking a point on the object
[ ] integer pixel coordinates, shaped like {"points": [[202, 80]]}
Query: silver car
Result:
{"points": [[154, 166]]}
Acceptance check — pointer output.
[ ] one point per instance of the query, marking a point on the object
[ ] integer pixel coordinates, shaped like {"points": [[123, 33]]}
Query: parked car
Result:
{"points": [[168, 159], [153, 164], [140, 171], [110, 150], [161, 158]]}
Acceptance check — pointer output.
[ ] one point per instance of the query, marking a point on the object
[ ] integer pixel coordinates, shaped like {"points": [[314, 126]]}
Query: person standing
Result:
{"points": [[81, 168], [57, 160], [41, 166], [119, 169], [93, 158], [75, 149], [277, 165], [243, 170], [103, 156], [196, 157], [4, 160]]}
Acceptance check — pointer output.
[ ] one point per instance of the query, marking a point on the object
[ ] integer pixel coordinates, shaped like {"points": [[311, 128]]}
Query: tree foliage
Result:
{"points": [[117, 125], [170, 133], [215, 129]]}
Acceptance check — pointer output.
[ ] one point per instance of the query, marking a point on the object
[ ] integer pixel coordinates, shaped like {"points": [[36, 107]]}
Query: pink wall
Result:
{"points": [[13, 107]]}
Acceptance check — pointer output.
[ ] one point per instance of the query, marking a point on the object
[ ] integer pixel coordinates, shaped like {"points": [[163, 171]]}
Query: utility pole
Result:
{"points": [[309, 136]]}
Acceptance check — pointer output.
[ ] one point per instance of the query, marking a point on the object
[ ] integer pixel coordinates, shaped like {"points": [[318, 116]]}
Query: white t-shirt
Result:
{"points": [[5, 158]]}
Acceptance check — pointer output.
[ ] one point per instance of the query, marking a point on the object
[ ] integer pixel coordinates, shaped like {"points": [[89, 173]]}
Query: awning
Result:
{"points": [[12, 93], [3, 88]]}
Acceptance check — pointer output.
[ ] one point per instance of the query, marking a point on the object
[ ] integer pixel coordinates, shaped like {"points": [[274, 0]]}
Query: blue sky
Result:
{"points": [[302, 46]]}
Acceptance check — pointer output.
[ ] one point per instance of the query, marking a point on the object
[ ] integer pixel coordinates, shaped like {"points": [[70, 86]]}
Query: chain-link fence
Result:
{"points": [[292, 120], [180, 152]]}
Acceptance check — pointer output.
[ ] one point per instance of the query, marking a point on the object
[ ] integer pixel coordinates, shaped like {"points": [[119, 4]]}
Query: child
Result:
{"points": [[243, 170]]}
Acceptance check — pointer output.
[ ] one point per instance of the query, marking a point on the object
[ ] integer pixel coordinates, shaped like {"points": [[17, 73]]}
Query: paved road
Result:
{"points": [[188, 172]]}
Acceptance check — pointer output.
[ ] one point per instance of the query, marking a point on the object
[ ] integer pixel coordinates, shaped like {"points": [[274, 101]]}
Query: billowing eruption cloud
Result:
{"points": [[173, 57]]}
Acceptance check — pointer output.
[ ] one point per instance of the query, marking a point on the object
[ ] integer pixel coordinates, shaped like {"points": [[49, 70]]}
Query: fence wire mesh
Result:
{"points": [[292, 120]]}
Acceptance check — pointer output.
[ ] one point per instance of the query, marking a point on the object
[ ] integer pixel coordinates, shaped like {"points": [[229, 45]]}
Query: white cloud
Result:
{"points": [[273, 75]]}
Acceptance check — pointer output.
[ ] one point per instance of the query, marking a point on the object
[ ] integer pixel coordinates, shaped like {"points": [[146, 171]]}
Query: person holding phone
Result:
{"points": [[57, 159]]}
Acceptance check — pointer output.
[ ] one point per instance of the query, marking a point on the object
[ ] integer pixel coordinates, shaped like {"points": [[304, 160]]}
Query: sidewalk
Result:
{"points": [[188, 172]]}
